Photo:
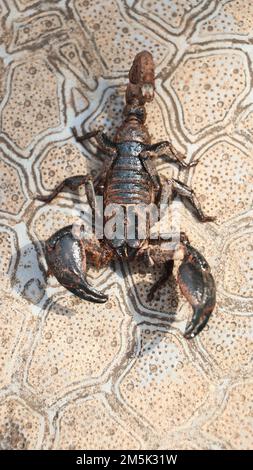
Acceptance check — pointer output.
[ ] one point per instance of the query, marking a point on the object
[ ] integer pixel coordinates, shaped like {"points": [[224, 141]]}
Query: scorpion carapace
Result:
{"points": [[130, 179]]}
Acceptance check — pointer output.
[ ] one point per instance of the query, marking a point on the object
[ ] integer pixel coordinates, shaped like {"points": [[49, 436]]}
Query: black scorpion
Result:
{"points": [[130, 179]]}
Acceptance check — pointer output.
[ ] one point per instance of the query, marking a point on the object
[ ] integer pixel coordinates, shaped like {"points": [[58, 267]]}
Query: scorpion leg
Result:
{"points": [[104, 143], [198, 287], [66, 259], [186, 192], [159, 150], [73, 183]]}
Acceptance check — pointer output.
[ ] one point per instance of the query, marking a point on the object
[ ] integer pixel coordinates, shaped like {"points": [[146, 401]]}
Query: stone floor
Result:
{"points": [[121, 375]]}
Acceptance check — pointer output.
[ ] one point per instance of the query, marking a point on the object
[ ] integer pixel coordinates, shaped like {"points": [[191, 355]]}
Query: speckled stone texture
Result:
{"points": [[121, 375]]}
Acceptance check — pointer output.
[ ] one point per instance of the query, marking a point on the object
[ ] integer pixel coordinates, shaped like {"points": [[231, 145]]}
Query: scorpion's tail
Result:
{"points": [[140, 90], [141, 84]]}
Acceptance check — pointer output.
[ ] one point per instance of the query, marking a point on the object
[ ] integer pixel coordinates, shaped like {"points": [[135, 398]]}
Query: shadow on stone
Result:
{"points": [[30, 280]]}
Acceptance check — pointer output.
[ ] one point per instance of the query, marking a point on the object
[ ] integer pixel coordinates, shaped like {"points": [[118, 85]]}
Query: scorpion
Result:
{"points": [[129, 178]]}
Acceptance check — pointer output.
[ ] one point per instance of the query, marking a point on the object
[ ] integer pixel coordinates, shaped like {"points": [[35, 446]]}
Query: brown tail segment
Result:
{"points": [[141, 86]]}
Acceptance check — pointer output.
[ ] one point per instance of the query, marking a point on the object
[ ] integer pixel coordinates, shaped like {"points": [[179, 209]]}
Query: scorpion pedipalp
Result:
{"points": [[197, 285], [66, 259]]}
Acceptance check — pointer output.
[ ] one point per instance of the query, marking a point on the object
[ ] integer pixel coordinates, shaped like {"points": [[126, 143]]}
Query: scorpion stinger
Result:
{"points": [[129, 179]]}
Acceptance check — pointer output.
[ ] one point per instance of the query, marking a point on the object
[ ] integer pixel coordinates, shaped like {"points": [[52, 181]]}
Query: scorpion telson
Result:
{"points": [[129, 178]]}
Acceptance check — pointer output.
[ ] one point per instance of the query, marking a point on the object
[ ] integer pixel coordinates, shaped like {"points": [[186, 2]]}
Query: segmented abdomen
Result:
{"points": [[128, 183]]}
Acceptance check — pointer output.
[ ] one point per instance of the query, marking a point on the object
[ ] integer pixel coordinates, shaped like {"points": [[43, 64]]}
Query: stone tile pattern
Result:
{"points": [[121, 375]]}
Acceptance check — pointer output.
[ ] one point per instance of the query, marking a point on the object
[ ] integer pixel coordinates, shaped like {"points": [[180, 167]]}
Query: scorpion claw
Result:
{"points": [[66, 259], [86, 292], [195, 326], [197, 285]]}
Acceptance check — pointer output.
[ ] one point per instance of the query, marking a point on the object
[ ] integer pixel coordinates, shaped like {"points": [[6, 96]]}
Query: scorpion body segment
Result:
{"points": [[130, 180]]}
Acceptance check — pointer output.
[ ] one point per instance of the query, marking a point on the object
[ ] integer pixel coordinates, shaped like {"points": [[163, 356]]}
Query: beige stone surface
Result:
{"points": [[121, 375]]}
